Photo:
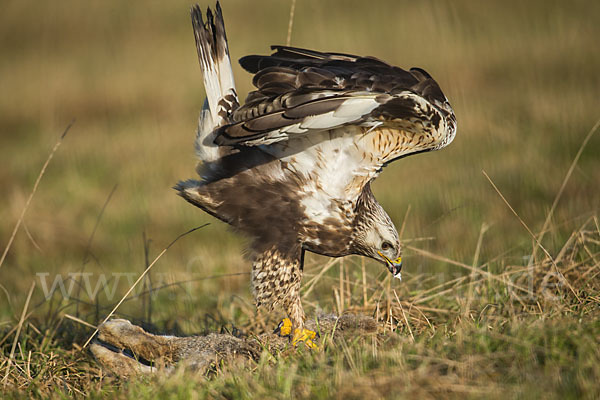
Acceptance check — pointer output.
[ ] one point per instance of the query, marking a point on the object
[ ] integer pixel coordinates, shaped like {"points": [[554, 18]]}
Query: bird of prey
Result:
{"points": [[292, 167]]}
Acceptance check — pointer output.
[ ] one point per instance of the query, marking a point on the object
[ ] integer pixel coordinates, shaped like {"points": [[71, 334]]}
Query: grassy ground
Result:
{"points": [[483, 311]]}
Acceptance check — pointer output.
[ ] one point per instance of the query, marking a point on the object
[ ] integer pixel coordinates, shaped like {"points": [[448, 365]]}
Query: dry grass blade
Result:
{"points": [[16, 340], [436, 289], [139, 279], [6, 294], [14, 328], [401, 233], [290, 24], [31, 239], [404, 316], [86, 254], [470, 268], [311, 284], [563, 185], [35, 187], [515, 214], [532, 235], [482, 231], [80, 321]]}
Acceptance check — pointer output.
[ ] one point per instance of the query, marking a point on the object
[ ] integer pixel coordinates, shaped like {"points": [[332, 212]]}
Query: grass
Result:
{"points": [[476, 314]]}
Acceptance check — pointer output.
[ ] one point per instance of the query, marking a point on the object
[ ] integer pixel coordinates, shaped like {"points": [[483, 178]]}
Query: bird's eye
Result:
{"points": [[386, 246]]}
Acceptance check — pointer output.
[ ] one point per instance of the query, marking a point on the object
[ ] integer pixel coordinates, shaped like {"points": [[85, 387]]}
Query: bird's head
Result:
{"points": [[375, 236]]}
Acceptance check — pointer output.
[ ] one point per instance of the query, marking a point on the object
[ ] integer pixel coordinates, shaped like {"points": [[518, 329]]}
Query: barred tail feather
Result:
{"points": [[213, 55]]}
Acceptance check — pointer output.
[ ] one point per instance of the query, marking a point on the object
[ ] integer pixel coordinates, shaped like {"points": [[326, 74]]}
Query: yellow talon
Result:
{"points": [[306, 336], [284, 328], [300, 335]]}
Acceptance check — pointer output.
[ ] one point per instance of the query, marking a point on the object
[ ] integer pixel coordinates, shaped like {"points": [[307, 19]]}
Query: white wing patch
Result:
{"points": [[357, 106], [350, 111]]}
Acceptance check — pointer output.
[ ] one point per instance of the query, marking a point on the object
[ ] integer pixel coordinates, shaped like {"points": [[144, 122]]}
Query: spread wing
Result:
{"points": [[301, 91], [337, 119]]}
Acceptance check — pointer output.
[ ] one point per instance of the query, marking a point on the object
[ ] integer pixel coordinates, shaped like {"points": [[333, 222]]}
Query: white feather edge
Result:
{"points": [[206, 150]]}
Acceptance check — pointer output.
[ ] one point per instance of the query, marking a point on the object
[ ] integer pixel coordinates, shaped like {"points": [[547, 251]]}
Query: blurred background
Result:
{"points": [[522, 76]]}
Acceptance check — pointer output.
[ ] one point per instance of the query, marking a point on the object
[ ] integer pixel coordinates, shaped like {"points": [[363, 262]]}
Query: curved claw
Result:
{"points": [[306, 336], [300, 335], [284, 328]]}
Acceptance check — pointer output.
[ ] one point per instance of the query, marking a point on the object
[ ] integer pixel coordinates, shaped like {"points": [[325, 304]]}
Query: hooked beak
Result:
{"points": [[394, 266]]}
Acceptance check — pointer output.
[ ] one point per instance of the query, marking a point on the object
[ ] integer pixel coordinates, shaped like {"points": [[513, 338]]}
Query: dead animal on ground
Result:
{"points": [[125, 350]]}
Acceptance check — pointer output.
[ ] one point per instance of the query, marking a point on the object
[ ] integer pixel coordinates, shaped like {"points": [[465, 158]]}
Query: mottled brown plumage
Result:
{"points": [[291, 168]]}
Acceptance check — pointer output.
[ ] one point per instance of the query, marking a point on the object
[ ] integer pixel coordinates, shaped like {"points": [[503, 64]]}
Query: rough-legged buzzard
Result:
{"points": [[292, 167]]}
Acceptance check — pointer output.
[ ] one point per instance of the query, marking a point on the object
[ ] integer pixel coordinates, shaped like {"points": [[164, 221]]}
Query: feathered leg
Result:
{"points": [[276, 277]]}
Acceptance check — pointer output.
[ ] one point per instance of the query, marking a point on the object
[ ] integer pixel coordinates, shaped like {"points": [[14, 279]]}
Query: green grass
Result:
{"points": [[523, 79]]}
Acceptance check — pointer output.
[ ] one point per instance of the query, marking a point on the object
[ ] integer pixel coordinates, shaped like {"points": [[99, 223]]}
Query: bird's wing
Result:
{"points": [[302, 91], [337, 117]]}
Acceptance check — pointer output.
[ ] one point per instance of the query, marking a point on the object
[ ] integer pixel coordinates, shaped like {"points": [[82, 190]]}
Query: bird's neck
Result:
{"points": [[366, 205]]}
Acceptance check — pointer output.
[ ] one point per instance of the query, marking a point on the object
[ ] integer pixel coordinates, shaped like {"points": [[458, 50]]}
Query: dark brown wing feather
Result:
{"points": [[294, 83]]}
